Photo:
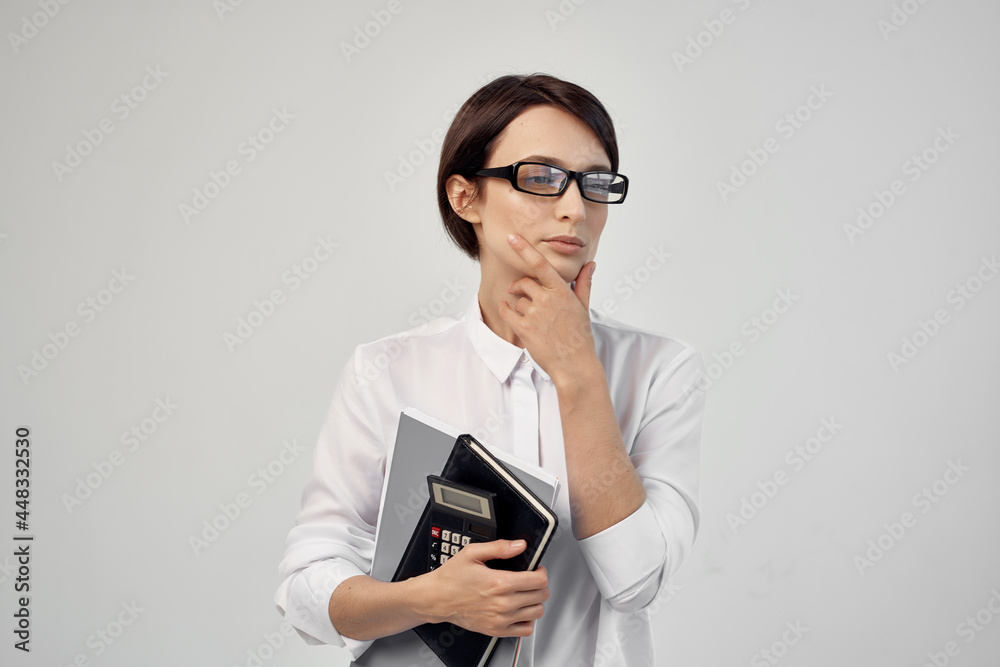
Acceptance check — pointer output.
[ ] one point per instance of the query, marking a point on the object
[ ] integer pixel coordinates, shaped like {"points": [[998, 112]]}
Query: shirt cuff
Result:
{"points": [[639, 538], [305, 604]]}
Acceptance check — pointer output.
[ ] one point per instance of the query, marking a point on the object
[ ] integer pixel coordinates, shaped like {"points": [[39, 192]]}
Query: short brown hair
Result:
{"points": [[473, 133]]}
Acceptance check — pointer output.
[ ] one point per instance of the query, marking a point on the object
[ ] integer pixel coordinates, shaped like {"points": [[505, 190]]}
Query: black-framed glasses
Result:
{"points": [[548, 180]]}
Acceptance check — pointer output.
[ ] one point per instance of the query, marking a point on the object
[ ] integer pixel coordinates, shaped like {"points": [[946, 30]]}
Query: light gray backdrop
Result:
{"points": [[820, 175]]}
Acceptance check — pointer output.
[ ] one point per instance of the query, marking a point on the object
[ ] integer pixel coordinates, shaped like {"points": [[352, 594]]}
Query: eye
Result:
{"points": [[540, 178], [605, 186], [599, 184]]}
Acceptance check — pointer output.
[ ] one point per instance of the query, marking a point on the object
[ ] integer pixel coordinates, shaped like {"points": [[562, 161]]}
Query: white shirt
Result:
{"points": [[457, 370]]}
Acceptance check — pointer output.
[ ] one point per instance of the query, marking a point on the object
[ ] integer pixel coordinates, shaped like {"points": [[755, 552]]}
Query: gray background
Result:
{"points": [[682, 130]]}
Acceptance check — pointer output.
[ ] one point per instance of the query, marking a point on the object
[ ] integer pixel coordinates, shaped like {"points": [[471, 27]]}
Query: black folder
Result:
{"points": [[520, 515]]}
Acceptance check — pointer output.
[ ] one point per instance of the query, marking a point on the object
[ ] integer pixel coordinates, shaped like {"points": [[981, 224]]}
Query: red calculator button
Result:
{"points": [[435, 531]]}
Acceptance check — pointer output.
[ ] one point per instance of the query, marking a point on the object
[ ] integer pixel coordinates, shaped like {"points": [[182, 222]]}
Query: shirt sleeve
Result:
{"points": [[665, 451], [334, 534]]}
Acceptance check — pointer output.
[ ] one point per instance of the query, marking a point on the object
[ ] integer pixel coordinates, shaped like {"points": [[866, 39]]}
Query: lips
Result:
{"points": [[566, 239], [567, 245]]}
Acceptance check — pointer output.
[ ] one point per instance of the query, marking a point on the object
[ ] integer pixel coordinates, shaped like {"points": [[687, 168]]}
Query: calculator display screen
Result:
{"points": [[461, 500]]}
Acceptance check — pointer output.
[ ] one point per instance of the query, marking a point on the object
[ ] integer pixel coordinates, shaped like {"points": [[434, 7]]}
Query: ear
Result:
{"points": [[462, 196]]}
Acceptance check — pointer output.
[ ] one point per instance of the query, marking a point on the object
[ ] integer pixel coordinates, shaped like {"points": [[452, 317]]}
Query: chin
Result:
{"points": [[568, 273]]}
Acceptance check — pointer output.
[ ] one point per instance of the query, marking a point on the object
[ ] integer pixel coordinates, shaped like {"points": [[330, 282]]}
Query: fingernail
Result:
{"points": [[517, 544], [511, 239]]}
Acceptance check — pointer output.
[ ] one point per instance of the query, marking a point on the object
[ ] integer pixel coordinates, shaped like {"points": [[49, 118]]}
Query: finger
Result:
{"points": [[584, 282], [527, 285], [528, 612], [510, 316], [520, 621], [484, 551], [519, 305], [523, 305], [528, 581], [522, 629], [533, 581], [531, 597], [543, 271]]}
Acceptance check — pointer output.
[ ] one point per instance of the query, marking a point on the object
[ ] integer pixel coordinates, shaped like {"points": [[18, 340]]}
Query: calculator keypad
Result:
{"points": [[446, 544]]}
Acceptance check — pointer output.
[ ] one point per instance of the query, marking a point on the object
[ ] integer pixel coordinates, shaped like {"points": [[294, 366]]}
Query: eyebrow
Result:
{"points": [[559, 163]]}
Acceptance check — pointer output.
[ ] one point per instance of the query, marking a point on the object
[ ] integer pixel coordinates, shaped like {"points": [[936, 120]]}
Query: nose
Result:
{"points": [[570, 205]]}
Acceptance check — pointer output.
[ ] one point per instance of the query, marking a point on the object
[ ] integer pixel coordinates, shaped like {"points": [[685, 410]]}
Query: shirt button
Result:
{"points": [[524, 358]]}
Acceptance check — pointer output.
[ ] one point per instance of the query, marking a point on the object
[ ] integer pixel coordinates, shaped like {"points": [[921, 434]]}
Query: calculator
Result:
{"points": [[459, 515]]}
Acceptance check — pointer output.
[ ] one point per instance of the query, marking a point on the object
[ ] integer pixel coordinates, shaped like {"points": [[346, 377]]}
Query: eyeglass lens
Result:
{"points": [[545, 179]]}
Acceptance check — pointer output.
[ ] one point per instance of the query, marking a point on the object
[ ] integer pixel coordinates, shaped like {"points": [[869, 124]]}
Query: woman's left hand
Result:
{"points": [[552, 320]]}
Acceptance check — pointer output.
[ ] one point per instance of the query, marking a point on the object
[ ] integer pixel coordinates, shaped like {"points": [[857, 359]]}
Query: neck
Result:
{"points": [[492, 290]]}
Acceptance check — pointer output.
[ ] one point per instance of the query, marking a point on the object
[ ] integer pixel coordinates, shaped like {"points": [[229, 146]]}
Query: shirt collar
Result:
{"points": [[499, 356]]}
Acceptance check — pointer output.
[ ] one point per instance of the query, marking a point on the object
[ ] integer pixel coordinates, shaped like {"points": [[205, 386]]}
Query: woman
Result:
{"points": [[528, 171]]}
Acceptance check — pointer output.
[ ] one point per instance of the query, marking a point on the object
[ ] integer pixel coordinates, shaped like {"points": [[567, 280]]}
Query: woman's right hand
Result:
{"points": [[498, 603]]}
